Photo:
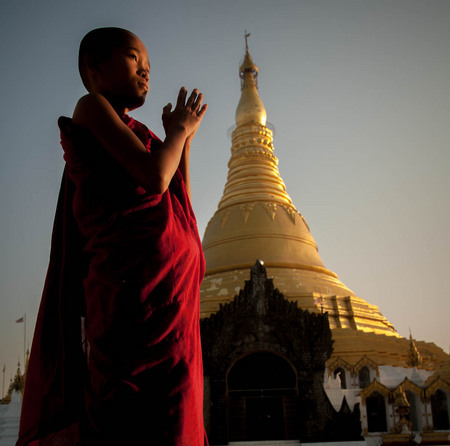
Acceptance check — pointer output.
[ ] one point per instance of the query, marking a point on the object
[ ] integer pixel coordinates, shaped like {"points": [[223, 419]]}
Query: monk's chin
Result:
{"points": [[131, 103], [137, 102]]}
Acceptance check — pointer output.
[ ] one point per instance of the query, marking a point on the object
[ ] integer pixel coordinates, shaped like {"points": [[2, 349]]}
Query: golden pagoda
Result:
{"points": [[370, 362], [256, 219]]}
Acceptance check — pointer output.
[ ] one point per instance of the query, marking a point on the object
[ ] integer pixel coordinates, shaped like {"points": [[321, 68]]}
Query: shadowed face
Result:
{"points": [[123, 77]]}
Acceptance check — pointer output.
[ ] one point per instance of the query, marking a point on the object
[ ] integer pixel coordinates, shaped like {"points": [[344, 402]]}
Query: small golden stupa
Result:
{"points": [[256, 219]]}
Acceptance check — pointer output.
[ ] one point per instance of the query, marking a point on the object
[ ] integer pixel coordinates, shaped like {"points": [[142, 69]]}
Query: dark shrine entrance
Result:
{"points": [[262, 398], [264, 360]]}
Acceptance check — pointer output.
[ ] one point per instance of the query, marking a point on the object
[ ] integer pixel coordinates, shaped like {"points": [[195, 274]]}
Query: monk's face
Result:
{"points": [[123, 77]]}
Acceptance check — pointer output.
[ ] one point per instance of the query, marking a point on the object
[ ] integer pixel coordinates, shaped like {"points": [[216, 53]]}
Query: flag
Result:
{"points": [[19, 320]]}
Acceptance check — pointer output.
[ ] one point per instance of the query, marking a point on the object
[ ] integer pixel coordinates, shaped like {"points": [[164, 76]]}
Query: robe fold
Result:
{"points": [[116, 354]]}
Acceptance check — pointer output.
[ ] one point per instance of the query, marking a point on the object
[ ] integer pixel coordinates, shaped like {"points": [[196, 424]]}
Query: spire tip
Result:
{"points": [[246, 36]]}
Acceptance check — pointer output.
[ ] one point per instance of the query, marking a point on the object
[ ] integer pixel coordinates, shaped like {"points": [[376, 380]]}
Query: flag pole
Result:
{"points": [[3, 389], [24, 339]]}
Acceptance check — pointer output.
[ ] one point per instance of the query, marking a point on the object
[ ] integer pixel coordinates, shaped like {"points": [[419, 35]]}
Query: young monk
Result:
{"points": [[126, 259]]}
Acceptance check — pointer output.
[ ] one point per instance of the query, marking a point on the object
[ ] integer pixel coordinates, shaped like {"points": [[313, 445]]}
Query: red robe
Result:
{"points": [[131, 263]]}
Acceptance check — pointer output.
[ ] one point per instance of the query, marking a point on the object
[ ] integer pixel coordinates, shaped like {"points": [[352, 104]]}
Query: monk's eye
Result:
{"points": [[134, 57]]}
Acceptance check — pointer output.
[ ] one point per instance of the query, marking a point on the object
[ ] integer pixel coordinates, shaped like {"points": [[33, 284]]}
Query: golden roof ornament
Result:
{"points": [[400, 399], [402, 407], [414, 356]]}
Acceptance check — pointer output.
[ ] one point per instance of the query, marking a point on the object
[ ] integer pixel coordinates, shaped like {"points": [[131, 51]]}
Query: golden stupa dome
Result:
{"points": [[256, 219]]}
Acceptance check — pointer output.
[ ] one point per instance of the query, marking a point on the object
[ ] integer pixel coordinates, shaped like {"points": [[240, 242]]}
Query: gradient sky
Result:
{"points": [[359, 94]]}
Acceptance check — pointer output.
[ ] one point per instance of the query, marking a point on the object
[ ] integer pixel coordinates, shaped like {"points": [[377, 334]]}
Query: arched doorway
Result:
{"points": [[439, 410], [340, 372], [414, 410], [262, 398], [376, 413], [364, 377]]}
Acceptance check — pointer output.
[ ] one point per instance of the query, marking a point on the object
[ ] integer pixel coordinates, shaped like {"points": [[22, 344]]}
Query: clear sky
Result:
{"points": [[359, 94]]}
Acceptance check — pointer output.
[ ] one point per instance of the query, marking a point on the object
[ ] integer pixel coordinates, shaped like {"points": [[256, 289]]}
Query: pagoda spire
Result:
{"points": [[250, 107], [253, 168], [256, 218]]}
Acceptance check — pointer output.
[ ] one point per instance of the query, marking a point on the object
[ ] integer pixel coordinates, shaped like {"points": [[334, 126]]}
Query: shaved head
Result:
{"points": [[97, 46]]}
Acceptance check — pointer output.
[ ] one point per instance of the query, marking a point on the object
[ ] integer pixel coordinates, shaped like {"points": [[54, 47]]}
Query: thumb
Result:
{"points": [[167, 108]]}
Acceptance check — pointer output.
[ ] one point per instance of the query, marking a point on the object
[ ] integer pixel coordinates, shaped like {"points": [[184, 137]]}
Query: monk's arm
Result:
{"points": [[194, 103], [154, 170]]}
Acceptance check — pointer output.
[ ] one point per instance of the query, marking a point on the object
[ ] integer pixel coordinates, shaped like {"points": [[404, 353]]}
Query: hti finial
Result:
{"points": [[246, 36]]}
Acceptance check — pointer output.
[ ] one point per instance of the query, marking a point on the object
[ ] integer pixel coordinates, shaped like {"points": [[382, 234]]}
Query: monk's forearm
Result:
{"points": [[168, 157], [153, 170]]}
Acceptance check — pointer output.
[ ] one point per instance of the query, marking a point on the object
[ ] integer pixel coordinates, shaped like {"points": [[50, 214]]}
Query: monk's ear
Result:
{"points": [[92, 63]]}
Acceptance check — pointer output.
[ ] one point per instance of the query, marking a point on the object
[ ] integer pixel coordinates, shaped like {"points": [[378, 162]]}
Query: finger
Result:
{"points": [[191, 100], [181, 97], [167, 108], [198, 102], [202, 111]]}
